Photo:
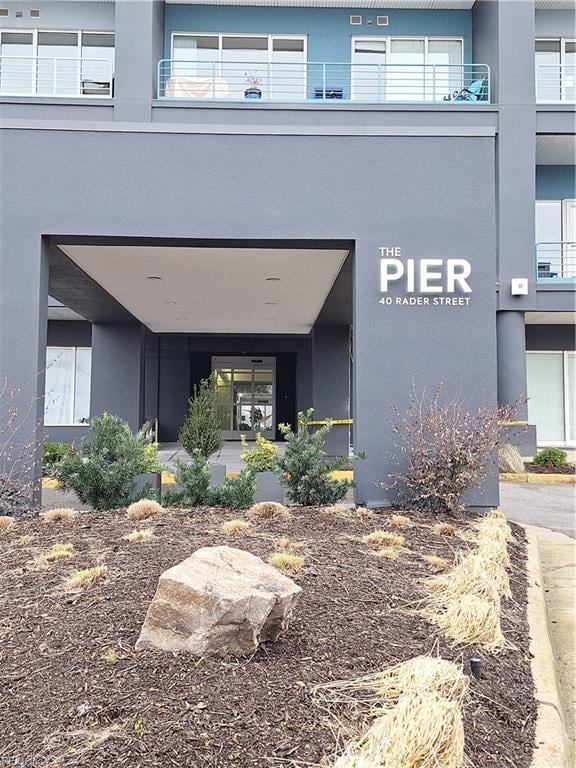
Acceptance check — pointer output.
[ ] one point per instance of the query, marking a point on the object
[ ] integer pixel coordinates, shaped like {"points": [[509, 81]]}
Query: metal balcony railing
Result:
{"points": [[48, 76], [556, 261], [555, 83], [324, 81]]}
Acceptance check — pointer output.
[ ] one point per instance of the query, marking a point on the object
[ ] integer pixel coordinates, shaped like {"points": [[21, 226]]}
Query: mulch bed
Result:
{"points": [[565, 469], [64, 701]]}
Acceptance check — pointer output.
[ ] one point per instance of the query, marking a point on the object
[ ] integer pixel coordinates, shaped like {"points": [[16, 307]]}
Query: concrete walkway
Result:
{"points": [[558, 561], [548, 506]]}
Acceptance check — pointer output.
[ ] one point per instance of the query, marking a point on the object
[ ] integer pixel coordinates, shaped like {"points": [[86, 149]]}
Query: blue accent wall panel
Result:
{"points": [[328, 30], [555, 182]]}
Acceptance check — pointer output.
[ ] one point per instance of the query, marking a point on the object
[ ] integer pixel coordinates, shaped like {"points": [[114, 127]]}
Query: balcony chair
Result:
{"points": [[473, 92]]}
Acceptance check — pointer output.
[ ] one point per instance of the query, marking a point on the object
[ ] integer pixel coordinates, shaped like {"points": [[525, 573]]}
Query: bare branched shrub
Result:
{"points": [[17, 453], [448, 449]]}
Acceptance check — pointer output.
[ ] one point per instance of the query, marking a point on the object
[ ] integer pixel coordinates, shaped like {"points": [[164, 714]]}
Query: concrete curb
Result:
{"points": [[529, 477], [551, 740]]}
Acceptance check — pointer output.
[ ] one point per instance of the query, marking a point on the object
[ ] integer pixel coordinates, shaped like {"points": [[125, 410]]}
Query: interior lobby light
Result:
{"points": [[153, 277], [272, 279]]}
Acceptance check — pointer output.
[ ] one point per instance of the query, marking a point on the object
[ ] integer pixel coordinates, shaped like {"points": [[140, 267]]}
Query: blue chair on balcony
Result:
{"points": [[473, 92]]}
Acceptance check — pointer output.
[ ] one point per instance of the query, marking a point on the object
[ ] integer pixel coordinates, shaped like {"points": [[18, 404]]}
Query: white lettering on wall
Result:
{"points": [[431, 275]]}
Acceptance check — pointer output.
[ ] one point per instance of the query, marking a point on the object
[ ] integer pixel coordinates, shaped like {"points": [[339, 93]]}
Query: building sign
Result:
{"points": [[423, 282]]}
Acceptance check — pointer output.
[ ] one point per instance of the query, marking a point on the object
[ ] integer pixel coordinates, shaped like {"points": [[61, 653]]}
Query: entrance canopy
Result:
{"points": [[211, 289]]}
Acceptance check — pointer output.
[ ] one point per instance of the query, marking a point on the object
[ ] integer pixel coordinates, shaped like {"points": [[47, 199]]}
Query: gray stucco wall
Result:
{"points": [[552, 338], [406, 191], [69, 333]]}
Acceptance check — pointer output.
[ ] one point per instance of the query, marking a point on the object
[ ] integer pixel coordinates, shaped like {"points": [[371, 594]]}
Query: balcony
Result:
{"points": [[555, 84], [55, 77], [556, 262], [318, 82]]}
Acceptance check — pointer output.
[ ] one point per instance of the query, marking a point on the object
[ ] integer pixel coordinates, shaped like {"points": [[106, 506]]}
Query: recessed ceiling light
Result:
{"points": [[270, 304], [153, 277], [170, 302], [272, 279]]}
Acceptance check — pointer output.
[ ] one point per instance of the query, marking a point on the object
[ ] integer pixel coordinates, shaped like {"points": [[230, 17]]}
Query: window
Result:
{"points": [[556, 69], [276, 64], [417, 69], [55, 63], [556, 238], [67, 394], [551, 378]]}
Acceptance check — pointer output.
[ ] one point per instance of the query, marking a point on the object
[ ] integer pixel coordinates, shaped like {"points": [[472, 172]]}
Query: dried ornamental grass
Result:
{"points": [[86, 577], [268, 510], [286, 563], [6, 522], [435, 563], [236, 526], [444, 529], [398, 521], [59, 515], [474, 574], [285, 542], [55, 553], [389, 553], [143, 509], [139, 535], [470, 620], [384, 688], [364, 512], [340, 510], [424, 730], [384, 539]]}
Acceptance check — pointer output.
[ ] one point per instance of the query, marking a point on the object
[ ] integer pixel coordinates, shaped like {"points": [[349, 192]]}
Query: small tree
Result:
{"points": [[103, 472], [193, 487], [201, 430], [448, 450], [305, 468], [262, 457]]}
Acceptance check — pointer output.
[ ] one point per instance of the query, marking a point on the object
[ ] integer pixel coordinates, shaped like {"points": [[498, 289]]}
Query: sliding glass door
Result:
{"points": [[245, 396]]}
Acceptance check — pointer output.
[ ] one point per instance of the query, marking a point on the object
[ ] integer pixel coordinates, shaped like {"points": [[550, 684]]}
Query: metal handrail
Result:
{"points": [[556, 260], [322, 81], [55, 76], [555, 83]]}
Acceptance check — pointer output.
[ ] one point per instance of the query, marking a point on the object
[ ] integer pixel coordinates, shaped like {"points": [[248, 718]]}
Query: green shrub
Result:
{"points": [[102, 473], [551, 457], [201, 430], [52, 454], [260, 458], [193, 487], [305, 468]]}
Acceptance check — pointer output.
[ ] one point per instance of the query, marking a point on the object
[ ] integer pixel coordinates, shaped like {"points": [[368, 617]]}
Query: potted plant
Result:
{"points": [[254, 82]]}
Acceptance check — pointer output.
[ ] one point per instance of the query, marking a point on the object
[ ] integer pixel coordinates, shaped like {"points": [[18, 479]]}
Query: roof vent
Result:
{"points": [[382, 21], [356, 20], [35, 14], [3, 11]]}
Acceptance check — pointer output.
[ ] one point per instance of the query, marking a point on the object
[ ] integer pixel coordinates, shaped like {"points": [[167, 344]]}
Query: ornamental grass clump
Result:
{"points": [[139, 535], [444, 529], [472, 620], [381, 538], [286, 562], [234, 527], [398, 521], [473, 574], [435, 563], [6, 522], [59, 515], [305, 467], [103, 472], [86, 577], [424, 730], [144, 509], [54, 554], [268, 510]]}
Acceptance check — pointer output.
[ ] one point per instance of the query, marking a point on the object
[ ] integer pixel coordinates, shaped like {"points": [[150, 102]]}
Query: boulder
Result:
{"points": [[509, 459], [220, 601]]}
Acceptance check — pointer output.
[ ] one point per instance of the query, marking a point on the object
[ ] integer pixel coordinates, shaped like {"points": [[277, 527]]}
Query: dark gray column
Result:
{"points": [[118, 371], [511, 336], [504, 35], [304, 376], [139, 28], [23, 328], [331, 383]]}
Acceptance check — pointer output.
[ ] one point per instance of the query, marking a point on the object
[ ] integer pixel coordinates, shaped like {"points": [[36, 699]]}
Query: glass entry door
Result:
{"points": [[246, 391]]}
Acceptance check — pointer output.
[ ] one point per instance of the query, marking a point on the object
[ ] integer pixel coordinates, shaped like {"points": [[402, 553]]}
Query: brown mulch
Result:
{"points": [[66, 701], [540, 469]]}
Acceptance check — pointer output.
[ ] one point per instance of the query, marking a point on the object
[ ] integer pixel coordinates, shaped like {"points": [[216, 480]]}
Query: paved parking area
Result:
{"points": [[545, 505]]}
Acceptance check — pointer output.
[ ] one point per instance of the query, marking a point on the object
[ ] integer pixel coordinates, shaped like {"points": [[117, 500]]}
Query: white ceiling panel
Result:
{"points": [[550, 318], [214, 290], [388, 4]]}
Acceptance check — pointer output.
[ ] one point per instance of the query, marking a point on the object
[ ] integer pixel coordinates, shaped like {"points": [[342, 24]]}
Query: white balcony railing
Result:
{"points": [[556, 261], [323, 81], [555, 83], [47, 76]]}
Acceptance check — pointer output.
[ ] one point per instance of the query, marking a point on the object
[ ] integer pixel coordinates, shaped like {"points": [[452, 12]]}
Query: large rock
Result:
{"points": [[220, 601], [509, 459]]}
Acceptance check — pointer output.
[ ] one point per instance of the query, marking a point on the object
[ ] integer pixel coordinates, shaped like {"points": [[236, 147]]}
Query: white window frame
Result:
{"points": [[34, 55], [388, 40], [73, 391], [566, 443], [563, 203], [562, 41], [220, 35]]}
